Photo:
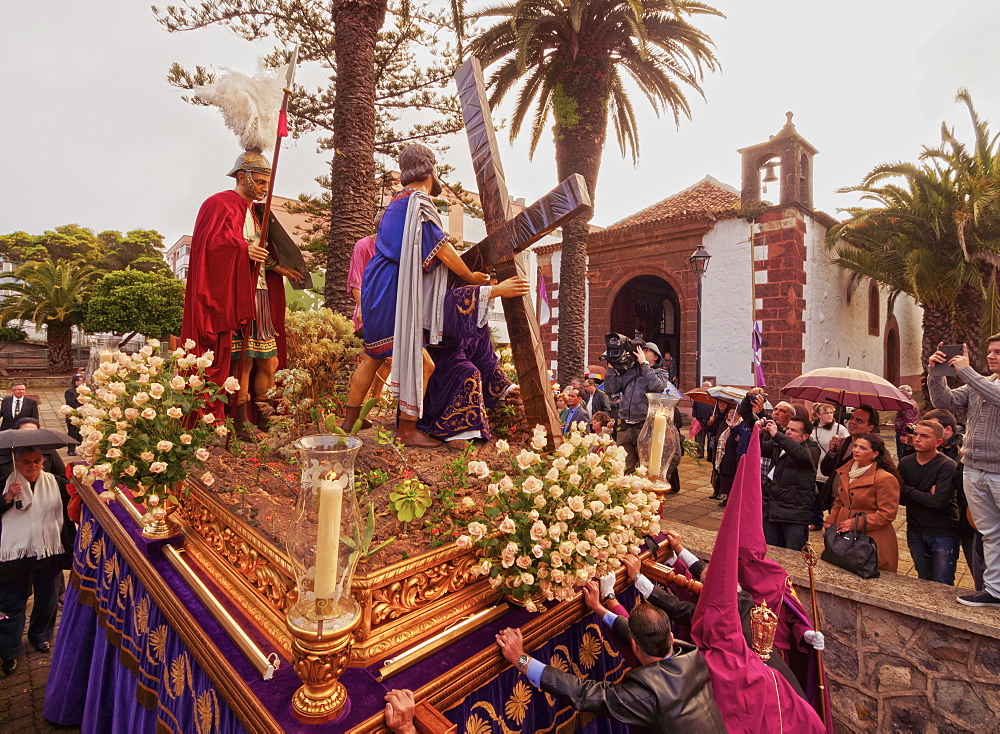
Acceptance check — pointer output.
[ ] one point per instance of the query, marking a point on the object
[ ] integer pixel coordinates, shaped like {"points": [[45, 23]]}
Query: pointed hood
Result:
{"points": [[751, 696]]}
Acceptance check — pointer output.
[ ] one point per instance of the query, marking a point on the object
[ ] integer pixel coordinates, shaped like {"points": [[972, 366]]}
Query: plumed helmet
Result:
{"points": [[416, 162], [251, 160]]}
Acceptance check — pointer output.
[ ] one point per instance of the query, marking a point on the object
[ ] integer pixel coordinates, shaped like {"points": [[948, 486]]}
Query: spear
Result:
{"points": [[282, 133], [266, 216], [811, 560]]}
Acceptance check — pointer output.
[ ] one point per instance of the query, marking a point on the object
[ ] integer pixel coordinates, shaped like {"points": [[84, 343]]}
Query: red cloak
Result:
{"points": [[220, 289]]}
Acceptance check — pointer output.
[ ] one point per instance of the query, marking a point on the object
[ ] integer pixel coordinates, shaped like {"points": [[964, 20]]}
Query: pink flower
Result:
{"points": [[507, 525], [523, 561], [532, 485], [538, 530], [158, 467]]}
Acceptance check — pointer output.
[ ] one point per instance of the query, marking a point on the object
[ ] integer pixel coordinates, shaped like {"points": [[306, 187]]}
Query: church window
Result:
{"points": [[874, 315]]}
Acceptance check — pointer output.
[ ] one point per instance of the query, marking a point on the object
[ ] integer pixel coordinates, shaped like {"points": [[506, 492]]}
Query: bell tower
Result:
{"points": [[792, 155]]}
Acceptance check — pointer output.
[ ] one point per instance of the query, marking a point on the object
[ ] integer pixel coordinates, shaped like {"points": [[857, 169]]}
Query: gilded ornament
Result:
{"points": [[517, 706], [142, 615], [590, 650], [157, 644]]}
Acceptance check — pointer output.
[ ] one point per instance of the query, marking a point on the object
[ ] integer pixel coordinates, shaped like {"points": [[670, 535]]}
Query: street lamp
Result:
{"points": [[699, 264]]}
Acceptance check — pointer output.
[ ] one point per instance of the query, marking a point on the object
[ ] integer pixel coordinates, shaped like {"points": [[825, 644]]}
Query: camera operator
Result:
{"points": [[634, 382]]}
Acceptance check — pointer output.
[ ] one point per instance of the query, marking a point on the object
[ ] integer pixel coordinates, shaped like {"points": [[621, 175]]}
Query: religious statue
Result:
{"points": [[234, 304], [402, 294]]}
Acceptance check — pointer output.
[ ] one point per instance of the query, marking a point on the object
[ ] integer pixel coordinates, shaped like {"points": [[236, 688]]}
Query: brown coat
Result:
{"points": [[876, 494]]}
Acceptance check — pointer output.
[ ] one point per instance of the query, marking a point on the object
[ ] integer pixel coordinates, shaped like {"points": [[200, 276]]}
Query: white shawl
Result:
{"points": [[35, 531], [419, 306]]}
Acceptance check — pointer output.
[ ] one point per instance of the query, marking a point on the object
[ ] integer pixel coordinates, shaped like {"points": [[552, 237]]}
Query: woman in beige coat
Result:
{"points": [[869, 485]]}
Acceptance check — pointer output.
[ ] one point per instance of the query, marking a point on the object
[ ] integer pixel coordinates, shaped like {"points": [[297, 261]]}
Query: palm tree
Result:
{"points": [[52, 296], [932, 234], [569, 57]]}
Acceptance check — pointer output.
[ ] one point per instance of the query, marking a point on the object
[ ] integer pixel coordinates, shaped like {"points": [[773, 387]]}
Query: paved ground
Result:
{"points": [[21, 695]]}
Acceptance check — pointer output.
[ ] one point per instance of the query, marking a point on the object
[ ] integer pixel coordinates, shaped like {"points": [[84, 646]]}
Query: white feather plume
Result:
{"points": [[249, 105]]}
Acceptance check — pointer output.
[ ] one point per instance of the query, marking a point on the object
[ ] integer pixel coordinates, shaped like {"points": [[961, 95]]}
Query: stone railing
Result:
{"points": [[901, 654]]}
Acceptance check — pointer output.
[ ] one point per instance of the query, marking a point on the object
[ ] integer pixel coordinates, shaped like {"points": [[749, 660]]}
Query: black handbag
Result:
{"points": [[853, 551]]}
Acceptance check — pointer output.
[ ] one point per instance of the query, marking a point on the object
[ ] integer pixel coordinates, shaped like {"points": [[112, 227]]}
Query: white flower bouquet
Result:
{"points": [[558, 521], [140, 426]]}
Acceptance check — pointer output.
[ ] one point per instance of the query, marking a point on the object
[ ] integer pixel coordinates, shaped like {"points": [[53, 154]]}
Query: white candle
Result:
{"points": [[331, 497], [656, 443]]}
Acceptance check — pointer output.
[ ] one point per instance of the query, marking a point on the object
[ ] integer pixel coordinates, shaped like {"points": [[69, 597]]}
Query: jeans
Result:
{"points": [[982, 490], [934, 556], [791, 535]]}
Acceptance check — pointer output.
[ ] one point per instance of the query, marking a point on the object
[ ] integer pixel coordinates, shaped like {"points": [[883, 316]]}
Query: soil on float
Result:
{"points": [[263, 490]]}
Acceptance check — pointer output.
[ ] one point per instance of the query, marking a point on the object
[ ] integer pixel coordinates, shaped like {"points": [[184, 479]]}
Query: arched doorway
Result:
{"points": [[891, 363], [647, 308]]}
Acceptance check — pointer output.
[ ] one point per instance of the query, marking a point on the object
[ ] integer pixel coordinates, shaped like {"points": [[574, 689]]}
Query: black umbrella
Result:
{"points": [[41, 438]]}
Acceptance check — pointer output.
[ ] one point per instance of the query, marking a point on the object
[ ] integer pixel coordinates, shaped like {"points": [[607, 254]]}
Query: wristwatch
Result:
{"points": [[522, 662]]}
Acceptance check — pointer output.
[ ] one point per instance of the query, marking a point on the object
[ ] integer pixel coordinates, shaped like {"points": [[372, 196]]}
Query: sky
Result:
{"points": [[97, 137]]}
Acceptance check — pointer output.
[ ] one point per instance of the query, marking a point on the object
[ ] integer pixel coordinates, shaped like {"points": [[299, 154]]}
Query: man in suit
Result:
{"points": [[670, 691], [576, 411], [16, 406]]}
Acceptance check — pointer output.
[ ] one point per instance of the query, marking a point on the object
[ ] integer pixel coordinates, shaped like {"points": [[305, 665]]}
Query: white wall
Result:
{"points": [[726, 333], [837, 330], [911, 333]]}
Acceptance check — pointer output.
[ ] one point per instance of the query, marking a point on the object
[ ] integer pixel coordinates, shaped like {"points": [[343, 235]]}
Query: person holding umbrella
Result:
{"points": [[36, 540]]}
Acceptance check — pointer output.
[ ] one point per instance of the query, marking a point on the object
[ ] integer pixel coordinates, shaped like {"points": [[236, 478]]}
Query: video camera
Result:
{"points": [[620, 351]]}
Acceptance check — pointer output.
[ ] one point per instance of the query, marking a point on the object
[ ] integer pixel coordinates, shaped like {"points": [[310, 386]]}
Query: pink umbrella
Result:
{"points": [[848, 387]]}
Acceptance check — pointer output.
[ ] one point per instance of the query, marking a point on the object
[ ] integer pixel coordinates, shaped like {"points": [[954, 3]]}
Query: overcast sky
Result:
{"points": [[94, 135]]}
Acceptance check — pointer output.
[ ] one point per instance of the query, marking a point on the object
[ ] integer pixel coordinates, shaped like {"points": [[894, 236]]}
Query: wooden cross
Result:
{"points": [[507, 236]]}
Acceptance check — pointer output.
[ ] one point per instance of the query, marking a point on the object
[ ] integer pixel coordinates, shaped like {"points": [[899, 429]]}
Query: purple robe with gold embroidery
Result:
{"points": [[467, 381]]}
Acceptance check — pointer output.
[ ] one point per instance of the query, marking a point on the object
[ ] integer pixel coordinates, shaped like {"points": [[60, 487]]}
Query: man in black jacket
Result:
{"points": [[669, 692], [969, 538], [790, 486], [927, 490]]}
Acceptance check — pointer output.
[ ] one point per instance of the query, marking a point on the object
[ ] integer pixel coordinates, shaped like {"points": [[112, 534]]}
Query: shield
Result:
{"points": [[848, 387]]}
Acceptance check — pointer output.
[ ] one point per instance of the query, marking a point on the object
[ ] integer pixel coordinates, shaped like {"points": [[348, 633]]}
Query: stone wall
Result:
{"points": [[901, 654]]}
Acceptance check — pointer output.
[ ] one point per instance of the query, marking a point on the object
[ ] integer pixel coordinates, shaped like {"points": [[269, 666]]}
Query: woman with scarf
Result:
{"points": [[869, 485], [36, 538], [731, 445]]}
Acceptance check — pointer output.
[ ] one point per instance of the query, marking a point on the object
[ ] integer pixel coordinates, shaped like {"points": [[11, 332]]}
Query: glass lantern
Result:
{"points": [[325, 534], [659, 444]]}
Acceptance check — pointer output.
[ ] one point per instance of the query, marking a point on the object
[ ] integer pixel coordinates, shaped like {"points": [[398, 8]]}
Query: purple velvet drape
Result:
{"points": [[118, 665], [511, 703]]}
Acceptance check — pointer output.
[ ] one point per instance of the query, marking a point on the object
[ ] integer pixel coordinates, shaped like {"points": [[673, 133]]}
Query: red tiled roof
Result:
{"points": [[706, 196]]}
